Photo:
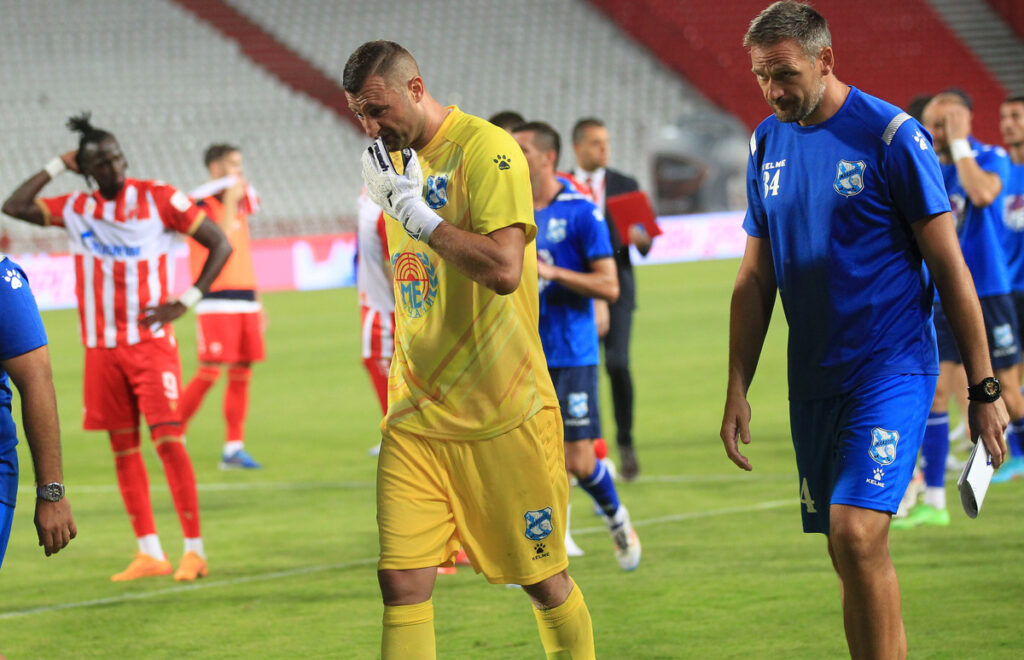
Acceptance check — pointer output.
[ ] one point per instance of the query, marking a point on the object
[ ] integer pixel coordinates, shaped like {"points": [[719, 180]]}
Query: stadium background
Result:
{"points": [[671, 80]]}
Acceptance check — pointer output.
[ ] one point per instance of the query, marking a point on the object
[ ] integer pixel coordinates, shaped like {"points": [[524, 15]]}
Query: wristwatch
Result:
{"points": [[51, 492], [987, 391]]}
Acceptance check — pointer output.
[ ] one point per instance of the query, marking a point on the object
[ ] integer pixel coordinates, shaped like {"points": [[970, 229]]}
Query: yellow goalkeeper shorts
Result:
{"points": [[504, 500]]}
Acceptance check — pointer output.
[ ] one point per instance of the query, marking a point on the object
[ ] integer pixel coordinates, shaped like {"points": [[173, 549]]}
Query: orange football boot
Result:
{"points": [[143, 566], [192, 566]]}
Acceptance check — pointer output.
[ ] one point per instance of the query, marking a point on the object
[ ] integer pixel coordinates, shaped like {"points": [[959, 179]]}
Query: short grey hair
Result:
{"points": [[788, 19]]}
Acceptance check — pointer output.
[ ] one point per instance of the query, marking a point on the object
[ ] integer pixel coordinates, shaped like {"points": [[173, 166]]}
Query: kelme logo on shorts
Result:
{"points": [[883, 445], [416, 280], [538, 524]]}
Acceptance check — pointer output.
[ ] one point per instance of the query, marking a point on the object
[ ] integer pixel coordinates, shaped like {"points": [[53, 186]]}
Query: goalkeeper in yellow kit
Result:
{"points": [[472, 441]]}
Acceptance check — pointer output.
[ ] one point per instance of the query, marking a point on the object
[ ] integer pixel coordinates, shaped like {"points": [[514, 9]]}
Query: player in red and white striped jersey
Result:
{"points": [[121, 236], [376, 298]]}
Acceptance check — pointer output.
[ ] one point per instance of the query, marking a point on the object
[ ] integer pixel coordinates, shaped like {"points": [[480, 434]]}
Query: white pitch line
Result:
{"points": [[676, 517], [194, 586], [189, 587]]}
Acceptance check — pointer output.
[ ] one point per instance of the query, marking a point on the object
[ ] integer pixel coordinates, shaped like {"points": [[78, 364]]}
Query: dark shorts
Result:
{"points": [[577, 397], [1001, 328], [859, 448], [1018, 306]]}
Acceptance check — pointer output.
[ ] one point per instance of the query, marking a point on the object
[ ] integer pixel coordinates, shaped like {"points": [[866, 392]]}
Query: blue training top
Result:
{"points": [[21, 331], [981, 230], [837, 201], [571, 233], [1013, 226]]}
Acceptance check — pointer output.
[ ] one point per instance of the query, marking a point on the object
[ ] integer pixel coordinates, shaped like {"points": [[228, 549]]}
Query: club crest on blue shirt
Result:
{"points": [[1014, 216], [883, 445], [437, 191], [556, 230], [849, 177], [538, 524], [579, 405]]}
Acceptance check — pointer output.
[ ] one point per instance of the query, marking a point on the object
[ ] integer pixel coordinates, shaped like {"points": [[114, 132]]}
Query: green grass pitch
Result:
{"points": [[726, 571]]}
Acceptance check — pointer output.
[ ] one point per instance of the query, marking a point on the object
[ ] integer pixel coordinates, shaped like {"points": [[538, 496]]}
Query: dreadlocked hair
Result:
{"points": [[88, 133]]}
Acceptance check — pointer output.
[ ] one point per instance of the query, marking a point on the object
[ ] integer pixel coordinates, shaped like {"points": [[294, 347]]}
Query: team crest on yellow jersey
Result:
{"points": [[416, 281]]}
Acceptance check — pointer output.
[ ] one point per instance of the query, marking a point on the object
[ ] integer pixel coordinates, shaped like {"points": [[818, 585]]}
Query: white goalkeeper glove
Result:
{"points": [[400, 195]]}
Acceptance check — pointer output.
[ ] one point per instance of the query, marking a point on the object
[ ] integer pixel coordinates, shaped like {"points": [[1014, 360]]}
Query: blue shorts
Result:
{"points": [[6, 519], [1018, 306], [859, 448], [1001, 328], [577, 397]]}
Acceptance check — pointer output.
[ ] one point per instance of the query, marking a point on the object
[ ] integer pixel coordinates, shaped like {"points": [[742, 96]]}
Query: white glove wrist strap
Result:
{"points": [[191, 296], [960, 148], [55, 167], [421, 222]]}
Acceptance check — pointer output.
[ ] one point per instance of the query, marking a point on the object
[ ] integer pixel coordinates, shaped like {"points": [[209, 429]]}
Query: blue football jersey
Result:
{"points": [[1013, 226], [981, 230], [21, 331], [837, 200], [571, 233]]}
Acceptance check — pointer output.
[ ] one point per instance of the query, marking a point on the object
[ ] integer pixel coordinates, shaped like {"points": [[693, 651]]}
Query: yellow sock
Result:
{"points": [[566, 630], [408, 632]]}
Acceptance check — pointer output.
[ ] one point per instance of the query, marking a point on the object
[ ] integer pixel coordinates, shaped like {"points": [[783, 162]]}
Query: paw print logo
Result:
{"points": [[13, 278], [539, 548], [878, 474], [921, 142], [503, 162]]}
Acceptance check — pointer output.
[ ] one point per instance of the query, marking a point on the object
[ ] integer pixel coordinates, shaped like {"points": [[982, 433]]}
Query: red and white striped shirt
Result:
{"points": [[373, 279], [122, 249]]}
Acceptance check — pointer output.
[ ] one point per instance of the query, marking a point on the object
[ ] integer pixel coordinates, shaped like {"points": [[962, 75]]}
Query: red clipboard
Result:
{"points": [[632, 208]]}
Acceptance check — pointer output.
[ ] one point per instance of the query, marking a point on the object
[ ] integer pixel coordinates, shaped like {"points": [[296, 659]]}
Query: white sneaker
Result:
{"points": [[374, 450], [627, 543]]}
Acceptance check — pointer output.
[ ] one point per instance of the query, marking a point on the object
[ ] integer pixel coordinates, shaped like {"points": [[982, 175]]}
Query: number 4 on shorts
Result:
{"points": [[805, 496]]}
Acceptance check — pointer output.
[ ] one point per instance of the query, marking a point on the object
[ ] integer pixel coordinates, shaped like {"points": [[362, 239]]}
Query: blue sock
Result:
{"points": [[1015, 438], [935, 449], [601, 487]]}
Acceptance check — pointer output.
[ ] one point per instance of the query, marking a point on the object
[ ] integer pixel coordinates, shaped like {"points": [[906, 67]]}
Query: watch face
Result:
{"points": [[992, 387]]}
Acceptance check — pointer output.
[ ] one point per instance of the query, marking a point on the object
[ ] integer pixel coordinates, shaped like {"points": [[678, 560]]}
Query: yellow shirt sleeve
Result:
{"points": [[499, 183]]}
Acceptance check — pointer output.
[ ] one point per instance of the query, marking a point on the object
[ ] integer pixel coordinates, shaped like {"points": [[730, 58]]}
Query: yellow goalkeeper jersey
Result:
{"points": [[468, 363]]}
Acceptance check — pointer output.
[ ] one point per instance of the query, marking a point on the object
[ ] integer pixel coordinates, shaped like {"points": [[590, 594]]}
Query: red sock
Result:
{"points": [[378, 369], [236, 402], [133, 480], [182, 481], [197, 388]]}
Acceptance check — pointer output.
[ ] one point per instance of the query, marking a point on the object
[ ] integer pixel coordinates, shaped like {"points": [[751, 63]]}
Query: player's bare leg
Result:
{"points": [[408, 613], [858, 543], [594, 478], [562, 617]]}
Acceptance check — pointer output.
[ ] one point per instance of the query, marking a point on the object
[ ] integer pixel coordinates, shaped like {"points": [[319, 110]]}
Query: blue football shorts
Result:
{"points": [[859, 448], [577, 397], [8, 494], [1001, 327], [1018, 306]]}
